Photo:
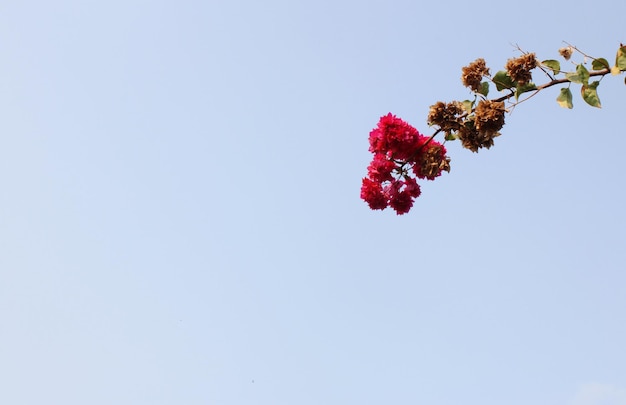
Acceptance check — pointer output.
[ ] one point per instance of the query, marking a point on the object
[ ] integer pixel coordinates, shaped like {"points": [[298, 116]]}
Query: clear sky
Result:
{"points": [[180, 220]]}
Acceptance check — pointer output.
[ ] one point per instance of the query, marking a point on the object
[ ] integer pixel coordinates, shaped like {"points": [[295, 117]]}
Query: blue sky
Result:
{"points": [[180, 219]]}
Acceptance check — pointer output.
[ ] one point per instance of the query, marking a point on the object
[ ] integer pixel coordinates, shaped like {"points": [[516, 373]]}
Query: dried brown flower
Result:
{"points": [[473, 74], [472, 139], [566, 52], [478, 131], [446, 116], [519, 68], [489, 117], [433, 161]]}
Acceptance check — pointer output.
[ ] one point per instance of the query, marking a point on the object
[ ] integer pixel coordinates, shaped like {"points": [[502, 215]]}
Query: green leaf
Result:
{"points": [[451, 136], [590, 95], [580, 76], [599, 64], [523, 89], [565, 98], [620, 59], [484, 88], [555, 65], [503, 81], [468, 105]]}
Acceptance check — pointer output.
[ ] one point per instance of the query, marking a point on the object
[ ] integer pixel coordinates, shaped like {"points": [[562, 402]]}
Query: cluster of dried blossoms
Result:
{"points": [[476, 129], [478, 124], [519, 69], [472, 76], [401, 156]]}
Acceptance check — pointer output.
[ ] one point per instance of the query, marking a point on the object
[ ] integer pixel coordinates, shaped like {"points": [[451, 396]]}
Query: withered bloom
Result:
{"points": [[519, 68], [489, 117], [566, 52], [472, 139], [432, 161], [446, 116], [473, 74]]}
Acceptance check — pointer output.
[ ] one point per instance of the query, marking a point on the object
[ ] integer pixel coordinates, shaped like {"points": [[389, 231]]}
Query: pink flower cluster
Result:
{"points": [[401, 155]]}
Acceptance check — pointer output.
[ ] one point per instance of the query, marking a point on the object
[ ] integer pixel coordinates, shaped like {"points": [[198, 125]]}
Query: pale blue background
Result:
{"points": [[180, 220]]}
